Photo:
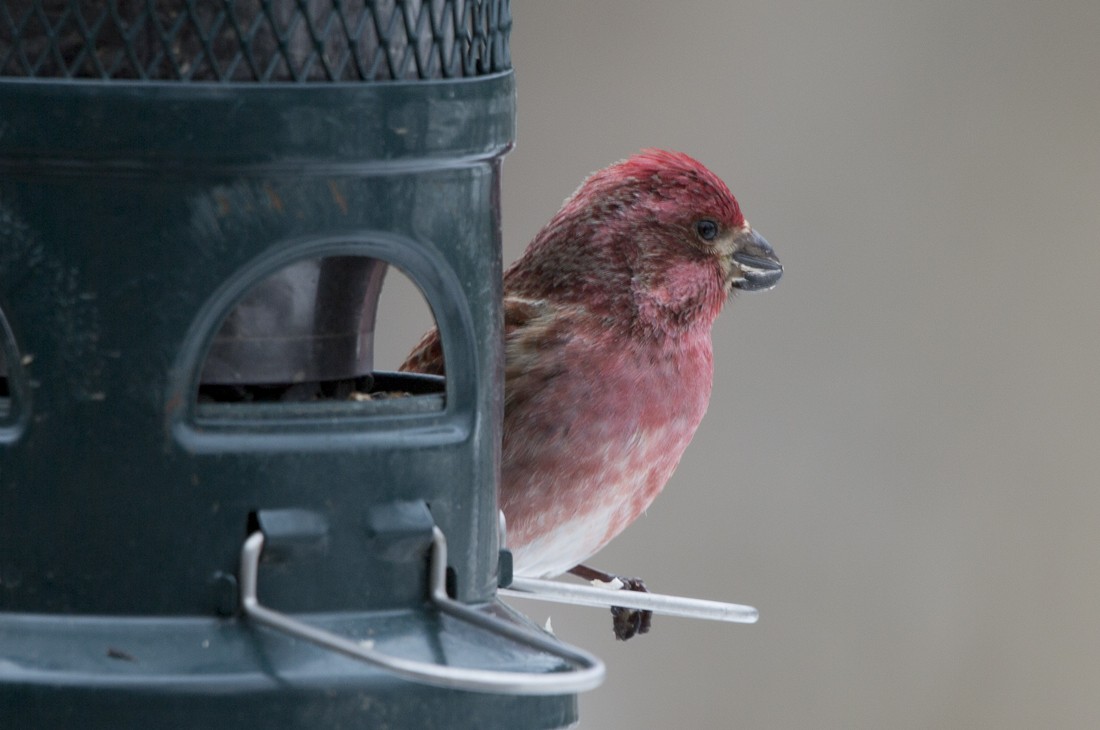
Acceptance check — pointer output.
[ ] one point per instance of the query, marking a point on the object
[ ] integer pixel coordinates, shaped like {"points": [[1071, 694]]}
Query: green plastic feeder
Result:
{"points": [[212, 509]]}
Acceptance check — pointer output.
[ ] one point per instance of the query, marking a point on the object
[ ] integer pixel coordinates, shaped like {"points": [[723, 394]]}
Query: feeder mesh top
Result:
{"points": [[254, 40]]}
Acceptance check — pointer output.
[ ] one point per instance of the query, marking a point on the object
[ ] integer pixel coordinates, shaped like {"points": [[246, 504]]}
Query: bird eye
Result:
{"points": [[707, 229]]}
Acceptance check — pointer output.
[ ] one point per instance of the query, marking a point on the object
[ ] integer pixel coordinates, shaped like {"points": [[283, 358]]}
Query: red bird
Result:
{"points": [[608, 361]]}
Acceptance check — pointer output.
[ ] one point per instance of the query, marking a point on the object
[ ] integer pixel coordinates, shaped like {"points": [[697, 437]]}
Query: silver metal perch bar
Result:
{"points": [[582, 595]]}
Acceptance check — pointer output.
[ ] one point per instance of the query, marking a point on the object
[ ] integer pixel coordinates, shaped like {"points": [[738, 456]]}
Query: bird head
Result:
{"points": [[658, 233]]}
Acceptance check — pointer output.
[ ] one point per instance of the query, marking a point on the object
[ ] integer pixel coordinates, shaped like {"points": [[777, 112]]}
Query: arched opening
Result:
{"points": [[315, 333]]}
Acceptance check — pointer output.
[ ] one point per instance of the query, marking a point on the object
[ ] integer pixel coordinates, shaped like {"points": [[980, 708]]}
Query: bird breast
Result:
{"points": [[590, 452]]}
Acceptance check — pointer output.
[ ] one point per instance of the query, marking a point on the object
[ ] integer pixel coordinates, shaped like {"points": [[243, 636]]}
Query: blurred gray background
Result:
{"points": [[899, 466]]}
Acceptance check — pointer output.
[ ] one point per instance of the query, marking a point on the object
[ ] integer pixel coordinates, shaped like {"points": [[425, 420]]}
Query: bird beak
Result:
{"points": [[757, 262]]}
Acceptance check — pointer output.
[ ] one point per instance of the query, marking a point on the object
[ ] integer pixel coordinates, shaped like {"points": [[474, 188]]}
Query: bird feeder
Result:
{"points": [[213, 509]]}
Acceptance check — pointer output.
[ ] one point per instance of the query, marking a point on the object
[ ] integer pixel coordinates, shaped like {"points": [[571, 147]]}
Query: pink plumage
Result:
{"points": [[607, 344]]}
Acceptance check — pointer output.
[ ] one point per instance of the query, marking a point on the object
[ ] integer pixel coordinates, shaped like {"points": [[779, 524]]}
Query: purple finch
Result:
{"points": [[607, 344]]}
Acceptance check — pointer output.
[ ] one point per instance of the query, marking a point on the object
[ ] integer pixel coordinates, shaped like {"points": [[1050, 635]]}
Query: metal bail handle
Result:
{"points": [[588, 670]]}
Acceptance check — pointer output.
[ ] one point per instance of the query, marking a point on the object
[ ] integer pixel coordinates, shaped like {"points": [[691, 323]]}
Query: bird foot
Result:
{"points": [[625, 622]]}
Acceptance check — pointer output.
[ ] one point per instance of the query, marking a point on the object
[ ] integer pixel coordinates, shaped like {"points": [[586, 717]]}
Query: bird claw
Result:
{"points": [[625, 622], [628, 622]]}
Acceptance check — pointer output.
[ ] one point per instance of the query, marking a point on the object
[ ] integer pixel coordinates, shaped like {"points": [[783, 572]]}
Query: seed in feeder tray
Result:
{"points": [[360, 396]]}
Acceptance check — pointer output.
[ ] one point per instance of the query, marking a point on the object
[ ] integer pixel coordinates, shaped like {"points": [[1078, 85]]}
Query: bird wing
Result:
{"points": [[535, 334], [427, 356], [532, 327]]}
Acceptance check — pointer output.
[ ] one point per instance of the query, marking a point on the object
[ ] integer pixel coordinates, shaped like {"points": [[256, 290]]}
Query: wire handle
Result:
{"points": [[588, 670]]}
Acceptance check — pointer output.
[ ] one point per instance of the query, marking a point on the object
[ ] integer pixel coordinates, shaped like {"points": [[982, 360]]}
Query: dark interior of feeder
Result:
{"points": [[4, 392], [312, 333], [5, 385]]}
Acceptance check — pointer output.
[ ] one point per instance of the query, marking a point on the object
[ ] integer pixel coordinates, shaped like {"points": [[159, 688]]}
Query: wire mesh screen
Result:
{"points": [[254, 40]]}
